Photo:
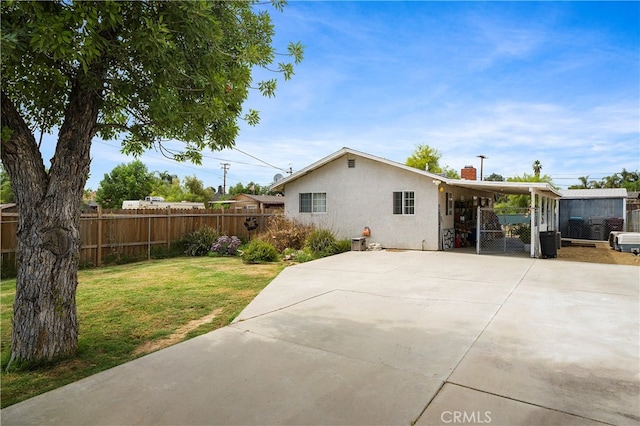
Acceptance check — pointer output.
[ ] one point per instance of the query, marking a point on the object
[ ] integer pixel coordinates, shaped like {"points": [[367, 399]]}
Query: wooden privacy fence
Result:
{"points": [[112, 234]]}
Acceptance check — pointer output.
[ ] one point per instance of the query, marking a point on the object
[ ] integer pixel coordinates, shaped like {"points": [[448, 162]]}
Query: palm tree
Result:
{"points": [[537, 166], [613, 181], [584, 182]]}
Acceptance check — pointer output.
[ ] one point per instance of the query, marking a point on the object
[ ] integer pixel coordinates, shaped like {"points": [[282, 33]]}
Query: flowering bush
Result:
{"points": [[226, 246]]}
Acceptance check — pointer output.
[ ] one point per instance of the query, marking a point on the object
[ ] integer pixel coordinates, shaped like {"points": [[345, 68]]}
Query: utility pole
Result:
{"points": [[225, 167], [482, 158]]}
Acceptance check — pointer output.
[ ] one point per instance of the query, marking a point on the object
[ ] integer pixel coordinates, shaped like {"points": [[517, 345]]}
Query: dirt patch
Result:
{"points": [[597, 252], [180, 333]]}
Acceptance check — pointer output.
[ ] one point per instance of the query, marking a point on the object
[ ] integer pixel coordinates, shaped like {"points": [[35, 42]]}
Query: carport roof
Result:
{"points": [[514, 188]]}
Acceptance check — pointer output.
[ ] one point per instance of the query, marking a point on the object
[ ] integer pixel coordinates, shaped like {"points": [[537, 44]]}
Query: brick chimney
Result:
{"points": [[469, 173]]}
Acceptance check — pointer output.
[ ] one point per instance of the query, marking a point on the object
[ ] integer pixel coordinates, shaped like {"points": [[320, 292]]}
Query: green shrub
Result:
{"points": [[321, 242], [342, 246], [198, 243], [162, 252], [259, 251], [300, 256], [304, 255]]}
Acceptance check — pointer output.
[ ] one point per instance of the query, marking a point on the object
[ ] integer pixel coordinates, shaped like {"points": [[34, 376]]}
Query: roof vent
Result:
{"points": [[351, 163]]}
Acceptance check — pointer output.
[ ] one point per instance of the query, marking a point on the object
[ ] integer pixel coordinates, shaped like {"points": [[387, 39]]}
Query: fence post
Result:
{"points": [[99, 248], [168, 227]]}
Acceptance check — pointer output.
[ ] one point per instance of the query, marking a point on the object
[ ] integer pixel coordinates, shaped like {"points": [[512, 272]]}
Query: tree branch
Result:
{"points": [[20, 155]]}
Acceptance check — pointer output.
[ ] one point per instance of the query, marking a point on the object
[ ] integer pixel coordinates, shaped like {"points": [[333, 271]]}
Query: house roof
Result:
{"points": [[490, 186], [279, 185], [594, 193]]}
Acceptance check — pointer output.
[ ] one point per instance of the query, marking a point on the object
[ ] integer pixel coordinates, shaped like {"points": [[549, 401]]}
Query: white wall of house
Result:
{"points": [[363, 196]]}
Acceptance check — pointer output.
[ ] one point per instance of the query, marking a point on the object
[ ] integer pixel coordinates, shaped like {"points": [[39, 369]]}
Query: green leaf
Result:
{"points": [[252, 117], [268, 87], [158, 70]]}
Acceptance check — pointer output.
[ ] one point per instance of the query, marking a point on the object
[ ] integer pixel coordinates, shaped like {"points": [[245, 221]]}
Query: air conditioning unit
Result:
{"points": [[358, 244]]}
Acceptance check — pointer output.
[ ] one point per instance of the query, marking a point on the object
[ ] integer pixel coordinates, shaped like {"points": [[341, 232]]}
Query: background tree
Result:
{"points": [[166, 177], [147, 72], [191, 189], [537, 167], [584, 183], [195, 190], [426, 158], [495, 177], [624, 179], [250, 188], [521, 201], [500, 199], [6, 193], [630, 180], [130, 181]]}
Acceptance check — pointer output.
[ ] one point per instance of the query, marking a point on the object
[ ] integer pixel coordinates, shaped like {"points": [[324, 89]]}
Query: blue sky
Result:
{"points": [[557, 82]]}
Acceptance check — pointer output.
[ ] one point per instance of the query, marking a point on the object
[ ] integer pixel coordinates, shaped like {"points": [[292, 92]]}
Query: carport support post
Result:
{"points": [[478, 233], [532, 219]]}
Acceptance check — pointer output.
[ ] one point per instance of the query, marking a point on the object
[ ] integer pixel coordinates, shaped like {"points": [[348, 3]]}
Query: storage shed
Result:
{"points": [[591, 214]]}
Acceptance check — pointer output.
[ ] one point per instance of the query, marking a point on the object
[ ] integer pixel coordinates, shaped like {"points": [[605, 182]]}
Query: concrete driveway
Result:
{"points": [[391, 338]]}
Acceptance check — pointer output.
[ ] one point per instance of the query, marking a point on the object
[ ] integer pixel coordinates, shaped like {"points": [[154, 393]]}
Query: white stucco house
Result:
{"points": [[403, 207]]}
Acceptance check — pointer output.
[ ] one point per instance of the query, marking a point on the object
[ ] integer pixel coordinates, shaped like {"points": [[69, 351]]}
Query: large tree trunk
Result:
{"points": [[45, 326]]}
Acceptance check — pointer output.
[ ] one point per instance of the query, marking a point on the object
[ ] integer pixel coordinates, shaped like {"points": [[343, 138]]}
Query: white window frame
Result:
{"points": [[408, 203], [318, 202]]}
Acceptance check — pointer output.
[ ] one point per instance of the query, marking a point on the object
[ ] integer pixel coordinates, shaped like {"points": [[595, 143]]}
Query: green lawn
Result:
{"points": [[128, 310]]}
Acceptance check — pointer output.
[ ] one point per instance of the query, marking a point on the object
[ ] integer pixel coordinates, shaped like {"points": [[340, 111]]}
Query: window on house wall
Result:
{"points": [[404, 202], [313, 202], [449, 204]]}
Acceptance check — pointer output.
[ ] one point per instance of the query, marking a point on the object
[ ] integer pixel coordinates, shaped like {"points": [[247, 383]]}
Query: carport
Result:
{"points": [[543, 209]]}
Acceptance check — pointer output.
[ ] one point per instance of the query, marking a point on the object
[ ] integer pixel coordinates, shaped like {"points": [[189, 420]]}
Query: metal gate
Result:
{"points": [[504, 231]]}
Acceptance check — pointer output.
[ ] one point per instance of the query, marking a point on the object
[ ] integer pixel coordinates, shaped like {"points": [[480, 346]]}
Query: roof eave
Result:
{"points": [[279, 186]]}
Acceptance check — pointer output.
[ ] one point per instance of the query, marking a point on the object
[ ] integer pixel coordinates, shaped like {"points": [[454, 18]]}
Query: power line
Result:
{"points": [[167, 160], [201, 169], [262, 161]]}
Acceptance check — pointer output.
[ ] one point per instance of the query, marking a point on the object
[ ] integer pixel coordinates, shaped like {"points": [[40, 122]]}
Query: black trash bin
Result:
{"points": [[548, 244], [576, 225]]}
